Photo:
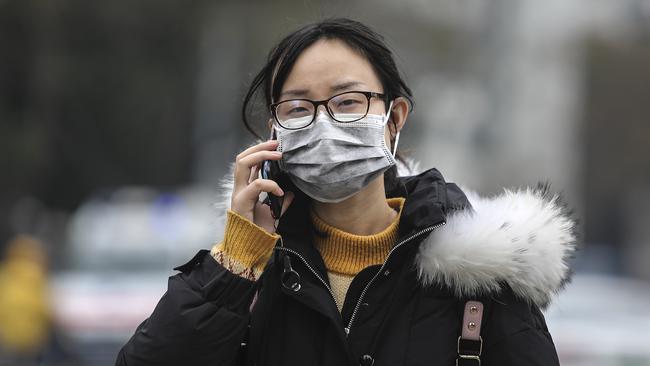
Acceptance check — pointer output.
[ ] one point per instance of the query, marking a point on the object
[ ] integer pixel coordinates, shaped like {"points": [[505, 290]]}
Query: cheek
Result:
{"points": [[376, 108]]}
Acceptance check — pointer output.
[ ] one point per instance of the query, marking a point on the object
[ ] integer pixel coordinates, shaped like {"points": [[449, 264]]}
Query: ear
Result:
{"points": [[398, 115]]}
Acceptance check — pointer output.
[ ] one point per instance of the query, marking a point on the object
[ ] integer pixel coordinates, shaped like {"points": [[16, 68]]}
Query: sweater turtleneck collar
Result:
{"points": [[348, 254]]}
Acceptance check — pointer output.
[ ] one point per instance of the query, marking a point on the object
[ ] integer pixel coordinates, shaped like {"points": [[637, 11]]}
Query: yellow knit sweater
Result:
{"points": [[247, 247]]}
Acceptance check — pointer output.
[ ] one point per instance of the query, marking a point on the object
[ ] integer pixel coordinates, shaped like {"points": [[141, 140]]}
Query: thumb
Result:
{"points": [[286, 202]]}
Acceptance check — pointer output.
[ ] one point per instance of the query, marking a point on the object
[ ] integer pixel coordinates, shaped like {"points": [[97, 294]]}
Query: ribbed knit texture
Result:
{"points": [[347, 254], [247, 247]]}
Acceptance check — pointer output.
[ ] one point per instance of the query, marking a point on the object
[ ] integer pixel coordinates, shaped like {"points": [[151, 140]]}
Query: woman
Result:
{"points": [[365, 267]]}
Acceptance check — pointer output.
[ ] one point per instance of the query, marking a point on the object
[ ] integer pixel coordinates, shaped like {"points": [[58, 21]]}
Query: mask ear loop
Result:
{"points": [[395, 144], [390, 108]]}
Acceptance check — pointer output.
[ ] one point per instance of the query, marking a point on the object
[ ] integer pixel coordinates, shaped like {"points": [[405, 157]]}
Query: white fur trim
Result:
{"points": [[222, 202], [523, 238], [226, 186], [408, 167]]}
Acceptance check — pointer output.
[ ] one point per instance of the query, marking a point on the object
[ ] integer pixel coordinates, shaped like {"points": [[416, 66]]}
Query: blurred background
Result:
{"points": [[119, 119]]}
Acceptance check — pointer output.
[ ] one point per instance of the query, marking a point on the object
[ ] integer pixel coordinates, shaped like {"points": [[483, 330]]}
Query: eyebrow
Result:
{"points": [[335, 88]]}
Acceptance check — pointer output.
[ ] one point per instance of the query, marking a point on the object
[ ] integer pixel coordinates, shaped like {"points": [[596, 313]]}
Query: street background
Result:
{"points": [[118, 119]]}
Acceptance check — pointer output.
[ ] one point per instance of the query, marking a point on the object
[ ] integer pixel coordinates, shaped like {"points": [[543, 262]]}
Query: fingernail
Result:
{"points": [[279, 192], [277, 153]]}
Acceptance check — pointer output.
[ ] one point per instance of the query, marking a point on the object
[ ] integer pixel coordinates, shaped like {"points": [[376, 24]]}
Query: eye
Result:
{"points": [[348, 102], [352, 102], [294, 108], [297, 110]]}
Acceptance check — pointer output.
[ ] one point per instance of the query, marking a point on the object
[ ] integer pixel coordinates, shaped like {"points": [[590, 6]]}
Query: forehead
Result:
{"points": [[326, 65]]}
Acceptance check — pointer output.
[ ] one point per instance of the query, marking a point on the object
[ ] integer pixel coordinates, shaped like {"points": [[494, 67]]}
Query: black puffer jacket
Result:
{"points": [[508, 252]]}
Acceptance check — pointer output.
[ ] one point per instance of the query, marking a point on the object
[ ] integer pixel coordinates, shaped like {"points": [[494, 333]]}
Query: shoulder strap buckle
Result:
{"points": [[470, 342], [468, 360]]}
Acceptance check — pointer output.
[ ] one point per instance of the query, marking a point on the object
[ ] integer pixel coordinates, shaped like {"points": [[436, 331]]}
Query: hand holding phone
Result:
{"points": [[248, 187]]}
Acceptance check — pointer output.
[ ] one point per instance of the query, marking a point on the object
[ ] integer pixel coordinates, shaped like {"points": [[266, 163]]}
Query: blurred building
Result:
{"points": [[118, 119], [508, 93]]}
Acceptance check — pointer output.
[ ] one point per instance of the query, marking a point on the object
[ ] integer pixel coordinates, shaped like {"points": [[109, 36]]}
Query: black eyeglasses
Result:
{"points": [[294, 114]]}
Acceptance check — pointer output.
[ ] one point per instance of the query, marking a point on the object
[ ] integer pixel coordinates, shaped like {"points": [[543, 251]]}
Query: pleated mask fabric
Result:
{"points": [[330, 160]]}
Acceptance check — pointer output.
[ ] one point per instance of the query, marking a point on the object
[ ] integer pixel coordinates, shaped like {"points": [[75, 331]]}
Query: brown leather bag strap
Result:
{"points": [[470, 343]]}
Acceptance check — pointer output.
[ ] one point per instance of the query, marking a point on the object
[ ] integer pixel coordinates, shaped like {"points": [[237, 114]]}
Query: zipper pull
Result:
{"points": [[290, 278]]}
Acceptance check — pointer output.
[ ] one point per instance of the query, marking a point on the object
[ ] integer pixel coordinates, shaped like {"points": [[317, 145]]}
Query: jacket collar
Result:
{"points": [[427, 203], [427, 200], [520, 238]]}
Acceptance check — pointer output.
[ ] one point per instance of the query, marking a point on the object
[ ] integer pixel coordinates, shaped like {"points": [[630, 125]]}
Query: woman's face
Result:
{"points": [[330, 67]]}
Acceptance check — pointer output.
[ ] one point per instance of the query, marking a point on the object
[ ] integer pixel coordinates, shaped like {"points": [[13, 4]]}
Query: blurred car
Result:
{"points": [[602, 320], [121, 249]]}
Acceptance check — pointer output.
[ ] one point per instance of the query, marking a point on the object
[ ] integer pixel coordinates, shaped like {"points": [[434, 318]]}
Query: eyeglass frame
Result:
{"points": [[274, 106]]}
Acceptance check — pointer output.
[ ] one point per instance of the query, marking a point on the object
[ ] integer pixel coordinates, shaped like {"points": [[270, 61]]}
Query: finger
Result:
{"points": [[257, 158], [243, 165], [254, 173], [288, 198], [252, 192], [267, 145]]}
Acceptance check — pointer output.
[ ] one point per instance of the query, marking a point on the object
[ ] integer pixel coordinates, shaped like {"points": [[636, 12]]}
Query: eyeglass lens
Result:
{"points": [[347, 107]]}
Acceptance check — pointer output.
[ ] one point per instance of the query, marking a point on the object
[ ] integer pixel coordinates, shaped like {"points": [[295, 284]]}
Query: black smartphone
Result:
{"points": [[271, 170]]}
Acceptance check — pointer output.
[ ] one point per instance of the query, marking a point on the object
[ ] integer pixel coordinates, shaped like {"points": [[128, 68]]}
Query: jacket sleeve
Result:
{"points": [[202, 319], [518, 335]]}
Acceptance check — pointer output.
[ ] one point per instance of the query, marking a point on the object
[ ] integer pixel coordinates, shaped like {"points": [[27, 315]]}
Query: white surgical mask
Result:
{"points": [[331, 161]]}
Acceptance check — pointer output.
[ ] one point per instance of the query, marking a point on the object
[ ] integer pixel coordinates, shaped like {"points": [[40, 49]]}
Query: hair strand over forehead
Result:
{"points": [[283, 56]]}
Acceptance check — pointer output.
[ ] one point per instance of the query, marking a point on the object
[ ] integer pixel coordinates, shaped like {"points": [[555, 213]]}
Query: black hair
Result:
{"points": [[356, 35]]}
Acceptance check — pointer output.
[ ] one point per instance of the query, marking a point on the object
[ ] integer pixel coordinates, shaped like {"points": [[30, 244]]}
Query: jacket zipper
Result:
{"points": [[381, 269], [365, 289], [329, 289]]}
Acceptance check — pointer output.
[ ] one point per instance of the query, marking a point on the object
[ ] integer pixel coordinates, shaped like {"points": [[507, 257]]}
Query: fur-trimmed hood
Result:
{"points": [[523, 238]]}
